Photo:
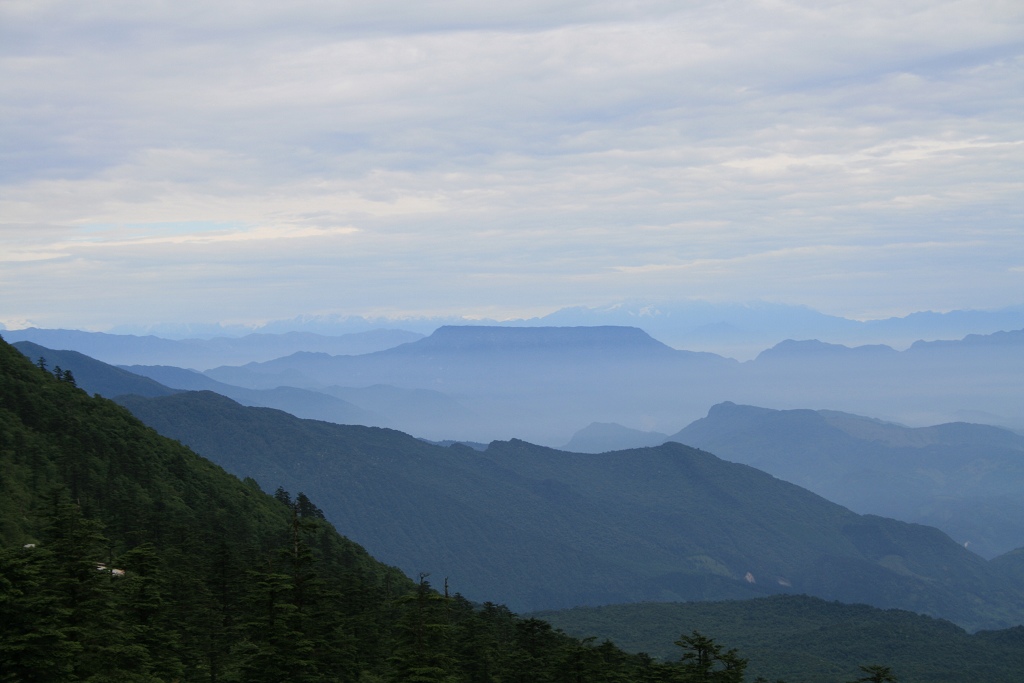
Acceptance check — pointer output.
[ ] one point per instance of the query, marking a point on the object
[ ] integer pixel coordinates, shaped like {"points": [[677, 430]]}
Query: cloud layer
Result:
{"points": [[246, 161]]}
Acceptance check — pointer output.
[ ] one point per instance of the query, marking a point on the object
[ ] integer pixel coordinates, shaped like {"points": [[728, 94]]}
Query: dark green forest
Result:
{"points": [[809, 640], [124, 556]]}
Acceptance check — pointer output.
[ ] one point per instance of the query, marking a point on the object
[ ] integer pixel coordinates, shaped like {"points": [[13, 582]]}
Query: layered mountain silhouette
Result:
{"points": [[518, 382], [737, 330], [665, 523], [535, 383], [543, 384], [541, 528], [967, 482], [106, 380]]}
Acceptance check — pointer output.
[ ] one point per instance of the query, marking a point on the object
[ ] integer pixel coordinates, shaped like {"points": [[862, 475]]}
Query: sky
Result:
{"points": [[239, 162]]}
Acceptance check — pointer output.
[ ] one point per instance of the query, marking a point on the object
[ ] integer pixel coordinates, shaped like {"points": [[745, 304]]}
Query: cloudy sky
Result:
{"points": [[180, 161]]}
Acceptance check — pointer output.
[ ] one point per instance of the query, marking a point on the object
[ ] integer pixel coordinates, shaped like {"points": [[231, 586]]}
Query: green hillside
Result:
{"points": [[808, 640], [126, 557]]}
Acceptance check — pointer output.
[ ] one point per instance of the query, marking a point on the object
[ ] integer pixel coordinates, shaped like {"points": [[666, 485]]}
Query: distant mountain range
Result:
{"points": [[736, 330], [743, 330], [518, 382], [200, 354], [967, 480], [664, 523], [543, 384]]}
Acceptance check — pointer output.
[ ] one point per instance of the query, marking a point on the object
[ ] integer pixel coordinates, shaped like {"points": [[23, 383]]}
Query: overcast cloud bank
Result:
{"points": [[244, 162]]}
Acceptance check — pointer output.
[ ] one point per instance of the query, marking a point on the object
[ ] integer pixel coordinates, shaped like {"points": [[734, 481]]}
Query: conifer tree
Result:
{"points": [[704, 662], [35, 645], [424, 647]]}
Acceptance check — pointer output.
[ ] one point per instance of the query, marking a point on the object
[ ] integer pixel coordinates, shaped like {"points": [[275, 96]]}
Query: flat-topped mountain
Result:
{"points": [[548, 340]]}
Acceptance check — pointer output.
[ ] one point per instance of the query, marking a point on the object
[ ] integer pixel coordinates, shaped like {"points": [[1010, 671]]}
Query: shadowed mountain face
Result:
{"points": [[963, 478], [541, 528]]}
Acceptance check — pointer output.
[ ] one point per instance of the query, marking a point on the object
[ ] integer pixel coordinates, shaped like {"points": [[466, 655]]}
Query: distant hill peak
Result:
{"points": [[600, 437], [812, 348]]}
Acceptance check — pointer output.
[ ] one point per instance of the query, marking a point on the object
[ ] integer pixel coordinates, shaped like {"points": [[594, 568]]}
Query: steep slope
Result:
{"points": [[125, 556], [541, 528], [966, 479]]}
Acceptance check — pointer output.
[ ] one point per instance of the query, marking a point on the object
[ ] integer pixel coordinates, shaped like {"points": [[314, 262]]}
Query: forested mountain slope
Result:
{"points": [[540, 528], [126, 557]]}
